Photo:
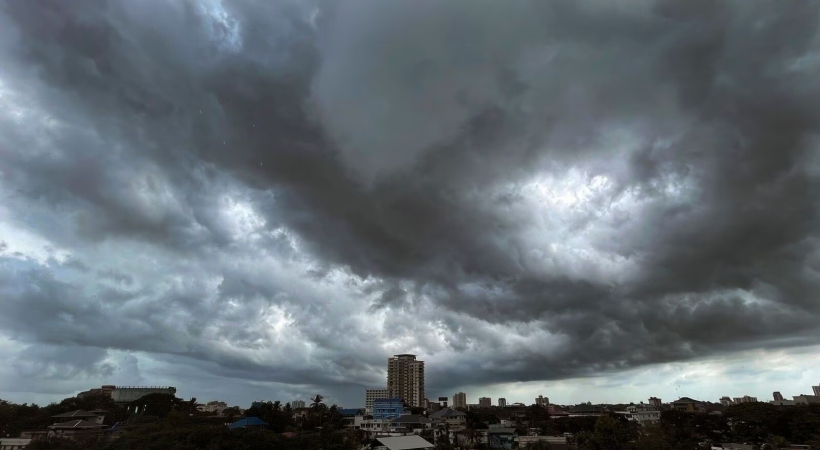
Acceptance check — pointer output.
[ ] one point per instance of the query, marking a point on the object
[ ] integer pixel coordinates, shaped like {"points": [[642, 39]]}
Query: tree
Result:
{"points": [[610, 434], [652, 438], [778, 442], [231, 412]]}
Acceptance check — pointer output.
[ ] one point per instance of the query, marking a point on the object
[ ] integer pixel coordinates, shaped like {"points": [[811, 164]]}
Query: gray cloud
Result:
{"points": [[556, 189]]}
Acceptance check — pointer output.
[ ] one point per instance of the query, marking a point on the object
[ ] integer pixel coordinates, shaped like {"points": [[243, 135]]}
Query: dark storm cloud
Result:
{"points": [[397, 140]]}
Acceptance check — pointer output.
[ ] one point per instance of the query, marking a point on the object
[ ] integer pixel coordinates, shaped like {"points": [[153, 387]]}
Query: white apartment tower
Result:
{"points": [[502, 402], [816, 389], [371, 395], [459, 400], [405, 379]]}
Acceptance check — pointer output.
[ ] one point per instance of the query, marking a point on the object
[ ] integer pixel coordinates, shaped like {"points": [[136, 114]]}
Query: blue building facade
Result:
{"points": [[388, 408]]}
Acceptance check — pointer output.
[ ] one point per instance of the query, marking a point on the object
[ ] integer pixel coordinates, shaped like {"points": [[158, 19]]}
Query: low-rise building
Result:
{"points": [[411, 422], [501, 438], [688, 404], [300, 413], [804, 399], [97, 416], [349, 416], [105, 390], [74, 427], [13, 444], [542, 401], [585, 410], [388, 408], [643, 415], [447, 416], [371, 395]]}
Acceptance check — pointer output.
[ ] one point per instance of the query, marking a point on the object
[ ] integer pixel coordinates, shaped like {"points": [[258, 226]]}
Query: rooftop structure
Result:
{"points": [[413, 442]]}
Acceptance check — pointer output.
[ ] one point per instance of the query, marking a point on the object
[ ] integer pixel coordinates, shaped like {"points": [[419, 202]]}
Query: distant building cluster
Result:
{"points": [[401, 408], [777, 399]]}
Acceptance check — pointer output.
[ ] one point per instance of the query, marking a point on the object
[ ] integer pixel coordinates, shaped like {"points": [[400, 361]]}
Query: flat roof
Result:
{"points": [[404, 442]]}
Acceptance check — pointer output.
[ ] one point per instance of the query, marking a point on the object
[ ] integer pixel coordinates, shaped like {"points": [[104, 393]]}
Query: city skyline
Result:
{"points": [[586, 200]]}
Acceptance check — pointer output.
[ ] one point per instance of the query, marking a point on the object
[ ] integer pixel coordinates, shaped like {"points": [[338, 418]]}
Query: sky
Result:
{"points": [[590, 200]]}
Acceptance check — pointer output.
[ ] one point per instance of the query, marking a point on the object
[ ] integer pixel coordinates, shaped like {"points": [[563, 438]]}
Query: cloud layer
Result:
{"points": [[287, 193]]}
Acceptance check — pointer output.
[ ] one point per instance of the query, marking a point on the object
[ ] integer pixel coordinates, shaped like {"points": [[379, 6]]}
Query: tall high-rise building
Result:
{"points": [[778, 397], [371, 395], [443, 402], [655, 401], [485, 402], [816, 389], [459, 400], [297, 404], [405, 379], [542, 401], [502, 402]]}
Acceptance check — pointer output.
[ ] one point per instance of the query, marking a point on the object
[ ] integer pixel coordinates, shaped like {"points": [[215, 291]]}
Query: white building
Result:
{"points": [[502, 402], [642, 414], [371, 395], [297, 404], [816, 390], [542, 401]]}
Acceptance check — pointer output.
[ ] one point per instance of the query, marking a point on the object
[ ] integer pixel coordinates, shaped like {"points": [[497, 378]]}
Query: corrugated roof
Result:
{"points": [[411, 418], [405, 442], [501, 431], [248, 422], [76, 424], [447, 412], [77, 413]]}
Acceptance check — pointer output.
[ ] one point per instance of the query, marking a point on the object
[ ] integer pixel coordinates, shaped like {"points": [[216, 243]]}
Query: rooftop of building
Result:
{"points": [[411, 418], [76, 424], [248, 422], [404, 442], [78, 413], [686, 400], [446, 412]]}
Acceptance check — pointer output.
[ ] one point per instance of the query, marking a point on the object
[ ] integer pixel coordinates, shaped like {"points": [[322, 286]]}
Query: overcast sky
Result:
{"points": [[257, 200]]}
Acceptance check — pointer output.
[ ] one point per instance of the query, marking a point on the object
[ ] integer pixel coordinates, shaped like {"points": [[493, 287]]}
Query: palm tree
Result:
{"points": [[316, 401], [317, 406]]}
